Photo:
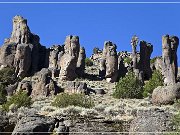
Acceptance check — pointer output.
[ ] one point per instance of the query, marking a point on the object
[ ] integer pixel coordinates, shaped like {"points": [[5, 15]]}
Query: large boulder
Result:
{"points": [[151, 122], [69, 60], [166, 94]]}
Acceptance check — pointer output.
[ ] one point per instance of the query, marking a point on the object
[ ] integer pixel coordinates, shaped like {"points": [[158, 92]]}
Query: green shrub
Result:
{"points": [[128, 87], [154, 82], [2, 94], [7, 76], [88, 62], [176, 122], [128, 60], [64, 100], [19, 99]]}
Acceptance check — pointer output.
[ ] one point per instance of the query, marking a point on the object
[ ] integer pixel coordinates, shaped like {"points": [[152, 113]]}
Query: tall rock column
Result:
{"points": [[169, 65], [134, 42], [69, 60], [81, 62], [174, 47], [145, 53], [111, 61]]}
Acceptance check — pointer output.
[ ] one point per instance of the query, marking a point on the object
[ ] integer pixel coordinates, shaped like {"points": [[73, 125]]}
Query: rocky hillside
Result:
{"points": [[58, 90]]}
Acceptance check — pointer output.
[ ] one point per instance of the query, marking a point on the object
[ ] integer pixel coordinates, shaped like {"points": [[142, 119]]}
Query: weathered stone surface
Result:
{"points": [[145, 53], [76, 87], [166, 94], [81, 62], [111, 61], [54, 58], [11, 89], [26, 86], [151, 122], [44, 85], [28, 125], [22, 61], [157, 64], [69, 60], [134, 43], [169, 66]]}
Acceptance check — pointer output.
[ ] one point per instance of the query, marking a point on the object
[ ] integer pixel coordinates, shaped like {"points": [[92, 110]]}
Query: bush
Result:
{"points": [[19, 99], [88, 62], [154, 82], [7, 76], [129, 87], [64, 100], [176, 122], [128, 60], [2, 94]]}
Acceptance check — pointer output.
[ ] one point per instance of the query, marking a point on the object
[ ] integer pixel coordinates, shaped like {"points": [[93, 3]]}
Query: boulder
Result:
{"points": [[166, 94], [76, 87]]}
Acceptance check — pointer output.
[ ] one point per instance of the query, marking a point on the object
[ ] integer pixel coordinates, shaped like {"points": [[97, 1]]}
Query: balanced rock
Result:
{"points": [[166, 94]]}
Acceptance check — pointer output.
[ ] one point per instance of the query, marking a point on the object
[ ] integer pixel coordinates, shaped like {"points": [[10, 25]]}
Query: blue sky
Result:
{"points": [[95, 23]]}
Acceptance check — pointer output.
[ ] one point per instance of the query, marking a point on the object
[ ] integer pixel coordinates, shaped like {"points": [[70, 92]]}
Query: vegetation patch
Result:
{"points": [[129, 87], [88, 62], [65, 100], [154, 82], [19, 99]]}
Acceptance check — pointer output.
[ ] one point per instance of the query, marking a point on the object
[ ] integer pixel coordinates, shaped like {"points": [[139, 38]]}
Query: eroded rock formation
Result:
{"points": [[109, 62], [145, 53], [169, 56], [69, 60]]}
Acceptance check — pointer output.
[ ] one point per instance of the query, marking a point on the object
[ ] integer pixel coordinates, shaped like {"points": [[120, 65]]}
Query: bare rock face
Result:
{"points": [[44, 86], [157, 64], [22, 60], [23, 50], [110, 60], [81, 62], [166, 94], [169, 55], [145, 53], [56, 52], [69, 60]]}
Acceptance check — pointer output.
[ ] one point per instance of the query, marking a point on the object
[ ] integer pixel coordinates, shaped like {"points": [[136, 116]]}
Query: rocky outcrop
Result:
{"points": [[145, 53], [169, 65], [69, 60], [109, 62], [23, 50], [44, 85], [151, 123], [31, 125], [81, 62], [166, 94]]}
